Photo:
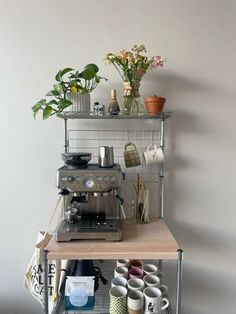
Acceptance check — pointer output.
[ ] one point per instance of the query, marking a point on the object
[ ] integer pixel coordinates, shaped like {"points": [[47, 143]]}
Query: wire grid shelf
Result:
{"points": [[102, 299], [90, 140]]}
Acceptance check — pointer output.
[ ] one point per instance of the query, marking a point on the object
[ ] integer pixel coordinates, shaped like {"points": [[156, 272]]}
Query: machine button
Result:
{"points": [[88, 183], [77, 178], [113, 179], [70, 179], [99, 179], [63, 179], [106, 179]]}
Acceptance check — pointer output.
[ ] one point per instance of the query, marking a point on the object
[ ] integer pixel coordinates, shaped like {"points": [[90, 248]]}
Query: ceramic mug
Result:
{"points": [[135, 302], [153, 155], [119, 281], [136, 263], [135, 272], [121, 271], [150, 269], [118, 300], [131, 156], [122, 262], [154, 302], [135, 284], [152, 281]]}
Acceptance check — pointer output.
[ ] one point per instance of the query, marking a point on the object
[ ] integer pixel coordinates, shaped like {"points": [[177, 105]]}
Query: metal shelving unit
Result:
{"points": [[144, 241]]}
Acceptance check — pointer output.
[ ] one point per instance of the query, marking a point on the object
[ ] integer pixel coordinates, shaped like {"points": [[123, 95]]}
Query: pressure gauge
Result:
{"points": [[88, 183]]}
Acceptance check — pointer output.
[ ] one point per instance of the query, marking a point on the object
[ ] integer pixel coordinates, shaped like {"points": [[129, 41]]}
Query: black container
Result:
{"points": [[76, 160], [86, 268]]}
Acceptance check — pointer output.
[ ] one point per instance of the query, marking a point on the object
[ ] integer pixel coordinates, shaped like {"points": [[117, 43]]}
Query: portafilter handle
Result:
{"points": [[121, 200]]}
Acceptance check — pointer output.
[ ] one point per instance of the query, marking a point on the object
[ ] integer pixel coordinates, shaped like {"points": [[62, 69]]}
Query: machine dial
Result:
{"points": [[70, 179], [105, 179], [89, 183], [113, 179]]}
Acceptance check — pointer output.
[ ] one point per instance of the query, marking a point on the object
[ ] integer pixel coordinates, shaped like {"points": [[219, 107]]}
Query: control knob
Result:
{"points": [[88, 183]]}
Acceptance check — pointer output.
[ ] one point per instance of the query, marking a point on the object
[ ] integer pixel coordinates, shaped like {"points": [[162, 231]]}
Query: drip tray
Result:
{"points": [[109, 229], [103, 225]]}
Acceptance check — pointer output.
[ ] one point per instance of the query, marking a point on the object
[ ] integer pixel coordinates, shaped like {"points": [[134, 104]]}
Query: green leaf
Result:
{"points": [[93, 67], [97, 79], [53, 93], [87, 74], [64, 103], [59, 88], [39, 105], [58, 76], [52, 102], [66, 70], [62, 72], [47, 112]]}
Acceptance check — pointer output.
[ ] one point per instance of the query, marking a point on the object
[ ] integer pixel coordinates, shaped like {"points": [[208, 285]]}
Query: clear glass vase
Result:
{"points": [[132, 103]]}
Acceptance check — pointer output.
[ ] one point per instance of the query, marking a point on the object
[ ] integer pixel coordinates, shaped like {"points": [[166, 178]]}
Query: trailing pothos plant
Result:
{"points": [[67, 80]]}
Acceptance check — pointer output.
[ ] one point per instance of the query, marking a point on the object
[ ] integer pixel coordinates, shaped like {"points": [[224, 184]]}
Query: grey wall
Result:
{"points": [[198, 37]]}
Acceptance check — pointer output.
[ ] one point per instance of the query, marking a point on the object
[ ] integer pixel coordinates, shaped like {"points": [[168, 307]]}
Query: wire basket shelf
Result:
{"points": [[90, 140], [102, 298]]}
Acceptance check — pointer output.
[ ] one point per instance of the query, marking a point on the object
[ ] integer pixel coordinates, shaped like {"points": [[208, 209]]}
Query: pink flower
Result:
{"points": [[156, 62]]}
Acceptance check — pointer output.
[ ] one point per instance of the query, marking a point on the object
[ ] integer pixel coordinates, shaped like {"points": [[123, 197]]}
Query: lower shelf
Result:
{"points": [[102, 299]]}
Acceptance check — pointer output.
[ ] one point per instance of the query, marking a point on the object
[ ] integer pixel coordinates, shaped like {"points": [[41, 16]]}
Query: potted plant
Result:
{"points": [[68, 81], [154, 104]]}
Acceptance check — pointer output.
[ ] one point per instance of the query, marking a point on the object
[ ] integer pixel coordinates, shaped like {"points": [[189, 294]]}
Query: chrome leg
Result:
{"points": [[45, 291], [161, 171], [179, 281], [66, 136]]}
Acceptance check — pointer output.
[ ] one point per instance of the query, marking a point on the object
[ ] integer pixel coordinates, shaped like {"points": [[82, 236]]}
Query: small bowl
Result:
{"points": [[76, 160]]}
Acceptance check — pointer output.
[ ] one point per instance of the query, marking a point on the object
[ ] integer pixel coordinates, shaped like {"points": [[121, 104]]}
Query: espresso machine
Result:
{"points": [[91, 202]]}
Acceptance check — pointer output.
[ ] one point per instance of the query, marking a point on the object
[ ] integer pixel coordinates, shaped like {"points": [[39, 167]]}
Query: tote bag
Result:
{"points": [[57, 271]]}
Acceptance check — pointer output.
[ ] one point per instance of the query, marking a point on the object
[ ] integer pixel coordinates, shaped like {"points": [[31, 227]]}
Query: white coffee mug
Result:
{"points": [[153, 155], [135, 284], [155, 281], [150, 269], [119, 281], [122, 262], [135, 302], [152, 281], [121, 271], [164, 289], [154, 302]]}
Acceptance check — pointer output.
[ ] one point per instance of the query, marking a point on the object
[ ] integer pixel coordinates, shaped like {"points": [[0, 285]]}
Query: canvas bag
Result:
{"points": [[57, 271]]}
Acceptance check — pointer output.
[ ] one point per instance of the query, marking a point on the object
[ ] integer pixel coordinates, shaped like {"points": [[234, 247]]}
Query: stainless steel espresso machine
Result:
{"points": [[91, 202]]}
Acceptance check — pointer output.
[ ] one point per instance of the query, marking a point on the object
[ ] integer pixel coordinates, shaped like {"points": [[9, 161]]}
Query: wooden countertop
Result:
{"points": [[147, 241]]}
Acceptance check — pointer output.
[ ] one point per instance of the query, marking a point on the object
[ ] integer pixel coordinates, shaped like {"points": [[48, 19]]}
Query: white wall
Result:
{"points": [[39, 37]]}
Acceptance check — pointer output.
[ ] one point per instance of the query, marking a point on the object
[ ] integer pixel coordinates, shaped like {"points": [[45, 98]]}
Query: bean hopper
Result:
{"points": [[91, 199]]}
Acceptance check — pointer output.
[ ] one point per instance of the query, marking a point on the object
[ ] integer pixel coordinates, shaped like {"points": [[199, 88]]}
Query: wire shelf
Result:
{"points": [[143, 115], [102, 299], [90, 140]]}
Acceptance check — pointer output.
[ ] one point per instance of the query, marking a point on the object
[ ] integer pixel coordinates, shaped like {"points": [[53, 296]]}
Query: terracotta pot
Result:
{"points": [[154, 104]]}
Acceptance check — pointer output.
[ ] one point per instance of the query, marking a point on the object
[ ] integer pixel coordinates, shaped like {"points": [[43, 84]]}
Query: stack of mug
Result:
{"points": [[137, 288]]}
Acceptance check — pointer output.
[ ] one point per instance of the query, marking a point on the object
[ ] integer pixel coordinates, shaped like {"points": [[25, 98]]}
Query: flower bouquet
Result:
{"points": [[132, 65]]}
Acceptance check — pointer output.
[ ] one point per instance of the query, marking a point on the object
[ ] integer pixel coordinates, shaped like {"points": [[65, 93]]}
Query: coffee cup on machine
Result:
{"points": [[105, 157]]}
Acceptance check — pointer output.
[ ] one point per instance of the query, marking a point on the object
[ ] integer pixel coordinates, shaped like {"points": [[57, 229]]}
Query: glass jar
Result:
{"points": [[132, 102]]}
